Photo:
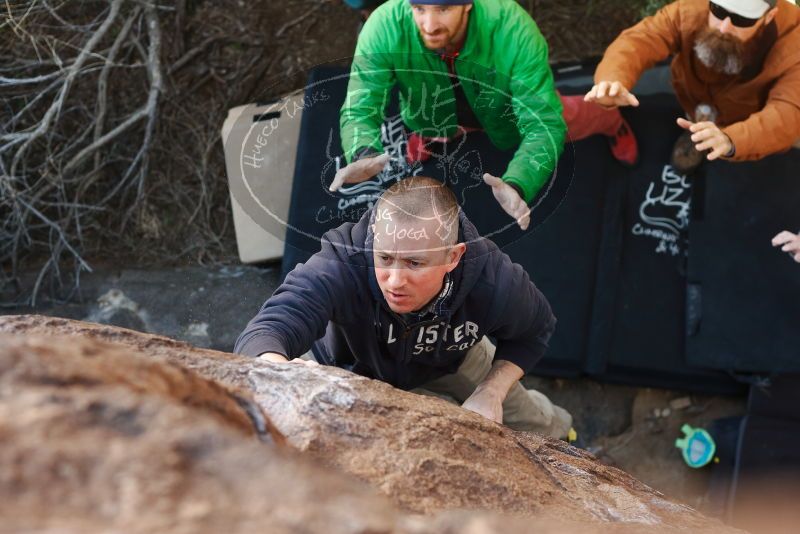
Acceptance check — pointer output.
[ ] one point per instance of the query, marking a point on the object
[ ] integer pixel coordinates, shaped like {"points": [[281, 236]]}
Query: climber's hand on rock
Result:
{"points": [[359, 171], [280, 358], [486, 402], [308, 363], [273, 357]]}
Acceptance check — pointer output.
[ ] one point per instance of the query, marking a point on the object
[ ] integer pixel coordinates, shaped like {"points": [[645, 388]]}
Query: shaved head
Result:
{"points": [[423, 200]]}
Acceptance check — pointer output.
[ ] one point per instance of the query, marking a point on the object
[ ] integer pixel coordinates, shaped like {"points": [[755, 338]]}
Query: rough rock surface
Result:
{"points": [[99, 438], [424, 454], [87, 364]]}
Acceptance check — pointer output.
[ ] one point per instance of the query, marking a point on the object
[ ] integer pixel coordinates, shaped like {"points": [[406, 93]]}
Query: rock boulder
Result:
{"points": [[427, 456]]}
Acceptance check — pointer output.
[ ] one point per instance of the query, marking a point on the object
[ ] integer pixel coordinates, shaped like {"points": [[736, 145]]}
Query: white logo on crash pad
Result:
{"points": [[664, 213]]}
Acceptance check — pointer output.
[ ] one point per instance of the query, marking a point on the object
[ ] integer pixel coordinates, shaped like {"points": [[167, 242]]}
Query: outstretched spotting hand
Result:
{"points": [[359, 171], [509, 200], [789, 243], [611, 95], [707, 136]]}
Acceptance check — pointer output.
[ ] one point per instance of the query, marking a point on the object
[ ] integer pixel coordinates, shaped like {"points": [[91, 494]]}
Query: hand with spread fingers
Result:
{"points": [[707, 137], [789, 243], [509, 200], [611, 95], [359, 171]]}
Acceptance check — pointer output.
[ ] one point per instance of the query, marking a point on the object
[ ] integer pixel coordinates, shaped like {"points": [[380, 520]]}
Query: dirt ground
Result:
{"points": [[635, 430]]}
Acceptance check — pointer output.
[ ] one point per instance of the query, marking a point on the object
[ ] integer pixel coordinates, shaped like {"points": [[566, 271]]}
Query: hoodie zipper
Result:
{"points": [[405, 353]]}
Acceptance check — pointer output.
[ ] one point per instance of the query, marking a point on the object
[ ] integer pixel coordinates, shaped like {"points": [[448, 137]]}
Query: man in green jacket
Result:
{"points": [[460, 66]]}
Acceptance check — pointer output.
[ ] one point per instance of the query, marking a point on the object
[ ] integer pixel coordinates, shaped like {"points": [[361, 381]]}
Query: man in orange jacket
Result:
{"points": [[735, 70]]}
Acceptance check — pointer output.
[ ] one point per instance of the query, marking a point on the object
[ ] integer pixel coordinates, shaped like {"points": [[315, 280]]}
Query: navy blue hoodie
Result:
{"points": [[333, 303]]}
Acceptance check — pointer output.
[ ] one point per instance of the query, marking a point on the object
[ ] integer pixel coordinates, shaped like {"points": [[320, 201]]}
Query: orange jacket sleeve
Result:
{"points": [[640, 47], [773, 129]]}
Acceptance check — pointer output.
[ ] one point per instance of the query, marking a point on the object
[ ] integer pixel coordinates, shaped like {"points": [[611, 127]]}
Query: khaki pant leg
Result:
{"points": [[472, 371], [797, 144], [522, 409]]}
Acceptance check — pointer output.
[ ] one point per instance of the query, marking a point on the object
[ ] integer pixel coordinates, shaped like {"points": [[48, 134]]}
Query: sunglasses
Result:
{"points": [[737, 20]]}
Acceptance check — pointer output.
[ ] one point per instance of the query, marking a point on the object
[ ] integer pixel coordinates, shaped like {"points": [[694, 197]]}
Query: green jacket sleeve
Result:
{"points": [[371, 81], [538, 112]]}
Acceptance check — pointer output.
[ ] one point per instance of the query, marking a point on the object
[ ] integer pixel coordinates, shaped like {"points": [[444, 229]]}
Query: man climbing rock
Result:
{"points": [[735, 70], [463, 66], [410, 295]]}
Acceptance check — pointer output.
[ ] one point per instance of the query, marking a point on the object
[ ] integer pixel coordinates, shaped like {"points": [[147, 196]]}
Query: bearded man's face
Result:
{"points": [[725, 48], [721, 52]]}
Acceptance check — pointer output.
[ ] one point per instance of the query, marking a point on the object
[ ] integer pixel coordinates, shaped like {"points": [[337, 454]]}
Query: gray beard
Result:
{"points": [[730, 64]]}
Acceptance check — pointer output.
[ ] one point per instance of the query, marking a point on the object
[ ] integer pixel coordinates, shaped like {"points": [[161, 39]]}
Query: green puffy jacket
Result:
{"points": [[504, 70]]}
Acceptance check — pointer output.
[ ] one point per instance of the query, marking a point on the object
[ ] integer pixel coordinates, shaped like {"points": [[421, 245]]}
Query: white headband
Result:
{"points": [[752, 9]]}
